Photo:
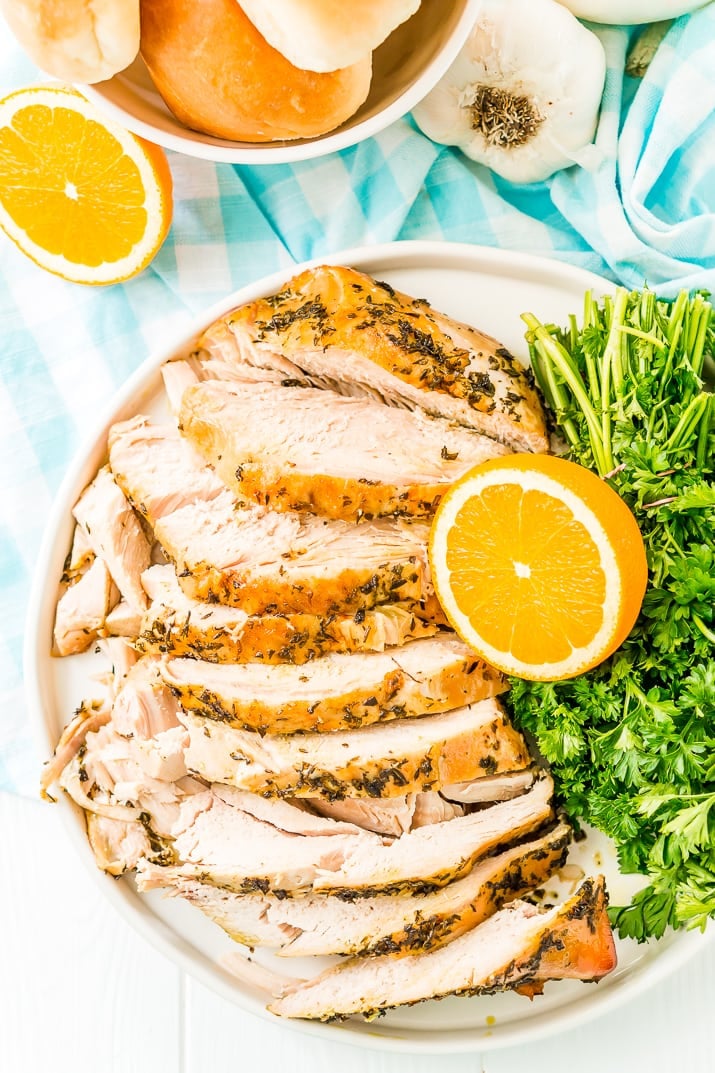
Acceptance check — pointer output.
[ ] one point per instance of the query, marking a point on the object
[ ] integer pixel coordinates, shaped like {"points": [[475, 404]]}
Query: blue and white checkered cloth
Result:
{"points": [[648, 213]]}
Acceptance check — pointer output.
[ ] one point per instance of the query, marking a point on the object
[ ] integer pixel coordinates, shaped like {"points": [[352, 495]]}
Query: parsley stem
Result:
{"points": [[653, 339], [697, 351], [553, 393], [687, 424], [707, 633], [669, 541], [573, 332], [612, 367], [693, 323], [590, 320], [553, 353], [701, 453], [675, 320], [654, 413], [675, 328], [647, 323]]}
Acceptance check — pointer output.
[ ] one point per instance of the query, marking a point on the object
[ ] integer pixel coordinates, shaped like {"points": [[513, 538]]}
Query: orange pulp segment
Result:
{"points": [[82, 197], [538, 564]]}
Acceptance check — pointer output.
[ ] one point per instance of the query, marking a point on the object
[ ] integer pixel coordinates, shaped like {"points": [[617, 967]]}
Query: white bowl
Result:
{"points": [[405, 68], [489, 288]]}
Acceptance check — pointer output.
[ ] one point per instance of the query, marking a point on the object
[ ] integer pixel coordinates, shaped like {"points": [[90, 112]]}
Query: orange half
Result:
{"points": [[82, 197], [538, 564]]}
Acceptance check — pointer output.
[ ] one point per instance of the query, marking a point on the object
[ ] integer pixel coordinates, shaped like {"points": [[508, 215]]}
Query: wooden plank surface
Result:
{"points": [[78, 988]]}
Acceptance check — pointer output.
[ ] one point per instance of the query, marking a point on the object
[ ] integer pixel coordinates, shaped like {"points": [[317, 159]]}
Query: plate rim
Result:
{"points": [[411, 253]]}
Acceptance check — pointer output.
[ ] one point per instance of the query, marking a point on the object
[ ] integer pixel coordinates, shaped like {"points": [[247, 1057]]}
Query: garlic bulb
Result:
{"points": [[628, 12], [523, 95]]}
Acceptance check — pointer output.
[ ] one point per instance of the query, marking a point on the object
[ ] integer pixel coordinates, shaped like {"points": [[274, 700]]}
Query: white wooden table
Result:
{"points": [[80, 991]]}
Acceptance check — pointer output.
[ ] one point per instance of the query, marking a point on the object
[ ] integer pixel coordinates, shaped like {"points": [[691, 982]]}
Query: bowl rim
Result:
{"points": [[221, 151], [684, 944]]}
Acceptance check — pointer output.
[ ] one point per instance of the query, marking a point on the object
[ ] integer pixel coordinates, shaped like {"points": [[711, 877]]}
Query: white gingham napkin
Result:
{"points": [[648, 213]]}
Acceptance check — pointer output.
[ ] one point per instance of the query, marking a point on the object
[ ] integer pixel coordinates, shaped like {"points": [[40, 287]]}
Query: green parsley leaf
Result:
{"points": [[631, 743]]}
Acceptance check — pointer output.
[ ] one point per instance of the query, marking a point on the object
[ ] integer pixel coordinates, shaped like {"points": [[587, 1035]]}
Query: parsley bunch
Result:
{"points": [[631, 743]]}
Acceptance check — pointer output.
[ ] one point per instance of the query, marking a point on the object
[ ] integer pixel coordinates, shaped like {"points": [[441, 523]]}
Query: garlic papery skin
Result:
{"points": [[631, 12], [523, 94]]}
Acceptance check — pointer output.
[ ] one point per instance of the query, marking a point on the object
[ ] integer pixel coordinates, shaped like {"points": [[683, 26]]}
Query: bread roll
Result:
{"points": [[218, 75], [321, 35], [76, 40]]}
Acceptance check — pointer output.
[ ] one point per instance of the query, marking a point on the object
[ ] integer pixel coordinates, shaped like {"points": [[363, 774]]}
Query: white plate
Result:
{"points": [[405, 68], [487, 288]]}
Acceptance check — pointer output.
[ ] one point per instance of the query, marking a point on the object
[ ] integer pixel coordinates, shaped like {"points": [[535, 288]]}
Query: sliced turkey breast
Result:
{"points": [[251, 972], [299, 449], [157, 469], [338, 691], [80, 555], [265, 562], [145, 712], [239, 842], [121, 657], [379, 761], [177, 376], [112, 769], [292, 817], [115, 776], [431, 807], [88, 718], [382, 924], [517, 947], [433, 856], [388, 816], [83, 608], [118, 845], [244, 843], [144, 706], [257, 559], [123, 621], [115, 535], [177, 625], [491, 788], [344, 328], [162, 756]]}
